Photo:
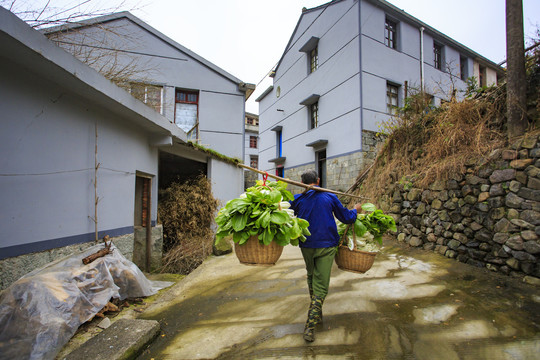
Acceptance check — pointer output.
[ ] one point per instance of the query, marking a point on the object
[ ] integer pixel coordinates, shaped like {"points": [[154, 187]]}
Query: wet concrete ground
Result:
{"points": [[410, 305]]}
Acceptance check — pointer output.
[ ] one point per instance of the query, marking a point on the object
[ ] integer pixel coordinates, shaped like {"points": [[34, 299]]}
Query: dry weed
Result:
{"points": [[429, 144], [186, 211]]}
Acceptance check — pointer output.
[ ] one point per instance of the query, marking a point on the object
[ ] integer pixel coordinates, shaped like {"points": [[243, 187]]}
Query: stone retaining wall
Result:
{"points": [[489, 218]]}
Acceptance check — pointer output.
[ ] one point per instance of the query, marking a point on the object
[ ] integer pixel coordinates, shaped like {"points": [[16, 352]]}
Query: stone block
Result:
{"points": [[522, 224], [529, 194], [515, 242], [453, 244], [512, 214], [496, 202], [532, 171], [436, 204], [523, 256], [502, 175], [509, 154], [521, 164], [513, 201], [461, 238], [533, 183], [497, 213], [513, 263], [532, 247], [528, 142], [415, 241], [497, 189], [521, 177]]}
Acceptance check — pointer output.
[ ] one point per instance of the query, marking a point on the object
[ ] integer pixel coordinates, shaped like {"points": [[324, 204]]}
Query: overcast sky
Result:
{"points": [[247, 37]]}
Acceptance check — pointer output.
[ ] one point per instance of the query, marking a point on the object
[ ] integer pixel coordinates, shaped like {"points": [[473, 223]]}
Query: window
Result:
{"points": [[463, 74], [252, 121], [280, 171], [391, 98], [254, 162], [390, 32], [437, 56], [186, 115], [321, 166], [482, 75], [148, 94], [313, 59], [314, 115], [253, 142], [279, 144]]}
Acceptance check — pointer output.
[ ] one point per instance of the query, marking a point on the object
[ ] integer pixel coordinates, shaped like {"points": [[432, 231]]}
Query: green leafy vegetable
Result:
{"points": [[259, 212], [368, 228]]}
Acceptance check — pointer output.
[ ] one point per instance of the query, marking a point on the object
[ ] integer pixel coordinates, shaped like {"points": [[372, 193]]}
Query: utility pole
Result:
{"points": [[516, 101]]}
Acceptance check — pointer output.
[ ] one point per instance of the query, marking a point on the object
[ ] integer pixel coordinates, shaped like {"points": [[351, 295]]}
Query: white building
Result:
{"points": [[345, 69]]}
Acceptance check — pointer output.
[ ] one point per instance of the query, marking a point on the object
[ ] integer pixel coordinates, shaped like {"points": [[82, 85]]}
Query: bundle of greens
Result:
{"points": [[262, 211], [368, 229]]}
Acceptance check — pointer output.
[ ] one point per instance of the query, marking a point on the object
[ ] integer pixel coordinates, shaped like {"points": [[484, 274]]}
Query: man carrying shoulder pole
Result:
{"points": [[319, 249]]}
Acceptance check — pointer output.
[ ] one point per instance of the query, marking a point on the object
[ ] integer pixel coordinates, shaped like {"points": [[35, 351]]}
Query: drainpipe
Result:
{"points": [[149, 227], [422, 58], [361, 102]]}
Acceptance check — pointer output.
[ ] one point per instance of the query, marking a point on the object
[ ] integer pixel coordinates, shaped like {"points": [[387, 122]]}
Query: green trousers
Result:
{"points": [[319, 266]]}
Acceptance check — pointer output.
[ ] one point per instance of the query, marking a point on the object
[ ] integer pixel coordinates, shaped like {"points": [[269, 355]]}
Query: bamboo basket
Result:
{"points": [[254, 253], [354, 261]]}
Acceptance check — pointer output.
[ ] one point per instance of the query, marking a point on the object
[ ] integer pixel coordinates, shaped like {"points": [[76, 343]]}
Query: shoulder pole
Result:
{"points": [[296, 183]]}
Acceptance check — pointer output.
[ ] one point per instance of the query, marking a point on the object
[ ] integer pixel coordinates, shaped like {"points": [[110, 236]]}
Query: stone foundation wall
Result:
{"points": [[489, 218], [342, 171], [11, 269], [250, 177], [156, 248]]}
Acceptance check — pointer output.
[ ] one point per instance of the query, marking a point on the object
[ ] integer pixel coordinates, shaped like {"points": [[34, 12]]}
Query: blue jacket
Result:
{"points": [[319, 208]]}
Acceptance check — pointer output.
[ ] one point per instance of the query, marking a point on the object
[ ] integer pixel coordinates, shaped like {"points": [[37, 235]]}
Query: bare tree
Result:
{"points": [[516, 80], [43, 13]]}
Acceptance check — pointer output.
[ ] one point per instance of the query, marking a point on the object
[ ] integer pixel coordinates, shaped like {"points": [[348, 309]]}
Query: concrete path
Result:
{"points": [[411, 305]]}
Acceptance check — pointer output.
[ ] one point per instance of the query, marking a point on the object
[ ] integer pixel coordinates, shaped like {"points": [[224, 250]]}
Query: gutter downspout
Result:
{"points": [[149, 226], [360, 73], [422, 58]]}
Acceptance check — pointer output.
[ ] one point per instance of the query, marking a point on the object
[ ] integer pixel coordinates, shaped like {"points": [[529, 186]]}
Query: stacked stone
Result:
{"points": [[490, 218]]}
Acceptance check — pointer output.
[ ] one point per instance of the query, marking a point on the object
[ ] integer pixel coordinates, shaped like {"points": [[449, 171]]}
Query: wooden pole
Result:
{"points": [[292, 182]]}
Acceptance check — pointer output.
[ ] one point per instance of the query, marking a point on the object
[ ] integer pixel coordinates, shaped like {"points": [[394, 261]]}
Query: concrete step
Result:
{"points": [[124, 339]]}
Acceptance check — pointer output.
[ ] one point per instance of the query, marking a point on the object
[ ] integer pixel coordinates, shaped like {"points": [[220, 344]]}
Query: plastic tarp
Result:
{"points": [[41, 311]]}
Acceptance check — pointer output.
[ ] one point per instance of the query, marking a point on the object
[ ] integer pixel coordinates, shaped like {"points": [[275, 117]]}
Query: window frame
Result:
{"points": [[195, 128], [254, 161], [314, 59], [390, 28], [391, 109], [253, 143], [143, 86], [314, 115], [438, 56], [320, 158], [279, 143], [463, 68]]}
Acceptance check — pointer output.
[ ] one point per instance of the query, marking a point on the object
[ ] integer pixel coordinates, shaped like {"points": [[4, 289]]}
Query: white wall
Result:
{"points": [[221, 103], [47, 142]]}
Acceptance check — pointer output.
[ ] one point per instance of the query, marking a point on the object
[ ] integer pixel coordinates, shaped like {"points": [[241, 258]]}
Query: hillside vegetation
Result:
{"points": [[424, 143]]}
